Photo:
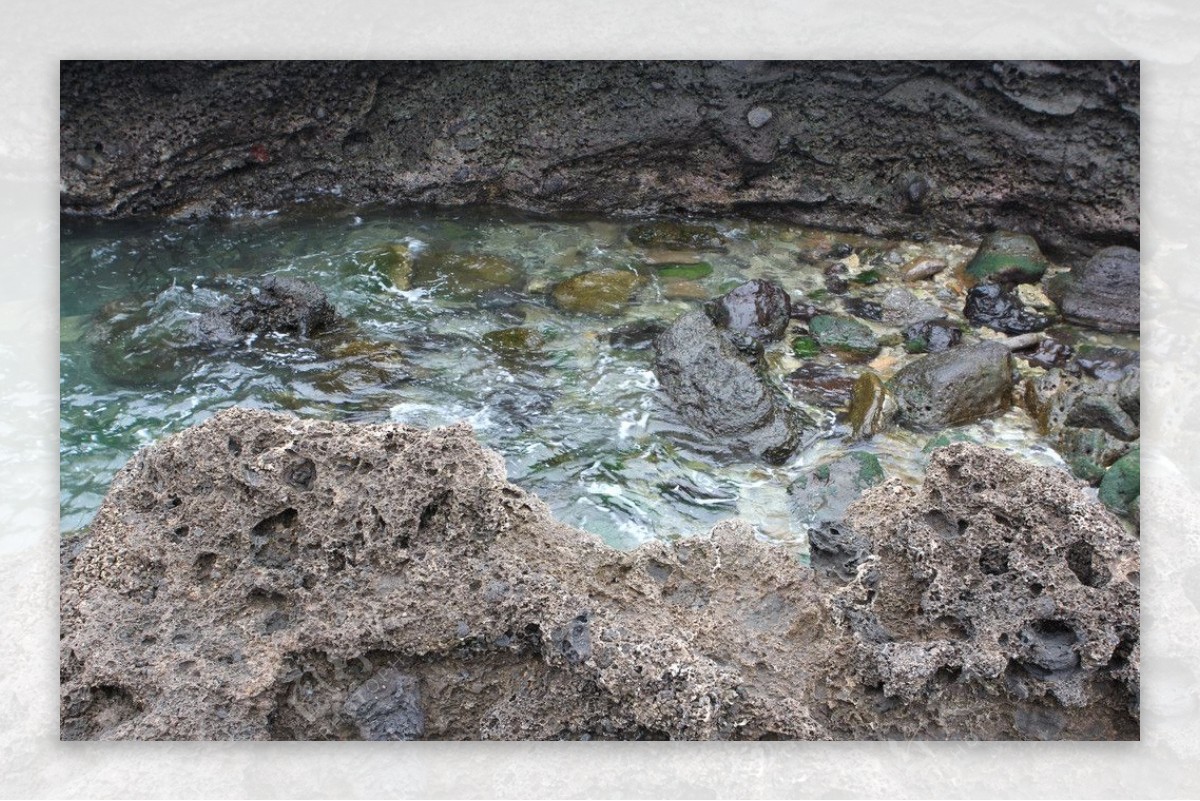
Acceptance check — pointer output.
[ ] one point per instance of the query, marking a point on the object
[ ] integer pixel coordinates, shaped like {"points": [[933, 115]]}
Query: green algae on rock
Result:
{"points": [[1122, 483], [690, 271], [464, 274], [601, 292], [845, 336], [517, 340], [805, 347], [1007, 257]]}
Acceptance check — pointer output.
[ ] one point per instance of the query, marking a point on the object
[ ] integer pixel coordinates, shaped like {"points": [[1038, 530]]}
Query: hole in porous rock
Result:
{"points": [[1121, 654], [302, 475], [234, 446], [1050, 645], [204, 566], [993, 560], [659, 572], [1081, 558], [309, 581], [276, 621], [178, 533], [942, 525], [274, 539], [1035, 588], [948, 674]]}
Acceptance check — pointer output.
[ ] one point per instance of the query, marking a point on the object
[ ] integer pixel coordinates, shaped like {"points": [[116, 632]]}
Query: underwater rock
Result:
{"points": [[1104, 293], [1007, 258], [758, 308], [675, 235], [514, 340], [464, 275], [958, 386], [999, 308], [277, 305], [901, 307], [263, 577], [844, 336], [636, 334], [819, 498], [826, 385], [599, 292], [715, 388]]}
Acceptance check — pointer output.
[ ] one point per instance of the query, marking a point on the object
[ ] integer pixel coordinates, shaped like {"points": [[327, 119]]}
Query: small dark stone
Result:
{"points": [[1050, 353], [636, 335], [277, 305], [863, 309], [839, 251], [931, 336], [999, 308]]}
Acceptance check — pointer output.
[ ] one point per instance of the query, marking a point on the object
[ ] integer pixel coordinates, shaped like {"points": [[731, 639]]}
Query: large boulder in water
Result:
{"points": [[264, 577], [717, 390], [955, 387], [277, 305], [1103, 294]]}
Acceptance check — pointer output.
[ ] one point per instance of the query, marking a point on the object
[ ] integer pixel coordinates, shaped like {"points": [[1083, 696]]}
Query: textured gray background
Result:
{"points": [[34, 35]]}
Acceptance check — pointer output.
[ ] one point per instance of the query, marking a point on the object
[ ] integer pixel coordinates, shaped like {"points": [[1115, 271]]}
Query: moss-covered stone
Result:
{"points": [[868, 406], [844, 335], [805, 347], [690, 272], [1007, 257], [943, 439], [674, 234], [1121, 486], [599, 292], [464, 274]]}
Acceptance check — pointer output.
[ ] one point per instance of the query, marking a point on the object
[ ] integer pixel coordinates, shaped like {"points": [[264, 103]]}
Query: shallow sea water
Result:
{"points": [[579, 421]]}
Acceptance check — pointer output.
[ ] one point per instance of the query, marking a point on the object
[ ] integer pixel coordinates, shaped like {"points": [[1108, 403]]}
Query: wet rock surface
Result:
{"points": [[201, 138], [264, 577], [819, 498], [960, 385], [1005, 257], [715, 387], [760, 309], [1104, 293], [999, 307], [278, 305]]}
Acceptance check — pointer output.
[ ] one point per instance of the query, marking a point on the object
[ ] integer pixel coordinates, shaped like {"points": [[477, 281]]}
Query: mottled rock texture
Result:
{"points": [[260, 576], [1048, 149]]}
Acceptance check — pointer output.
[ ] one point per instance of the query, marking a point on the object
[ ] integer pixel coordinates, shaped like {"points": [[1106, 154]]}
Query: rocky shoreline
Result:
{"points": [[261, 576]]}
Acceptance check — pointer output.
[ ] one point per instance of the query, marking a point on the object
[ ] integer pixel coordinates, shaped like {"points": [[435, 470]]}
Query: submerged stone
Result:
{"points": [[845, 336], [636, 335], [464, 274], [514, 340], [1009, 258], [601, 292], [675, 235], [277, 305], [901, 307], [805, 347], [690, 271], [826, 385]]}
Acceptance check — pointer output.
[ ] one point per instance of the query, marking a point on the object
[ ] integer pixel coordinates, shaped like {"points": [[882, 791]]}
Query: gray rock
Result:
{"points": [[278, 305], [715, 389], [759, 116], [901, 307], [387, 707], [955, 387], [1103, 294]]}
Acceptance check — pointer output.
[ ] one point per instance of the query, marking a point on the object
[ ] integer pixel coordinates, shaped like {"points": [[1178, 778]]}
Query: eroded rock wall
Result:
{"points": [[260, 576], [1050, 149]]}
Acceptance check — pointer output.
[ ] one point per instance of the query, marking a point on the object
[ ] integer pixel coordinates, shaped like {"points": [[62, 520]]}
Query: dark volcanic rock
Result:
{"points": [[999, 308], [958, 386], [717, 390], [1051, 149], [757, 308], [276, 306], [1104, 293], [263, 577]]}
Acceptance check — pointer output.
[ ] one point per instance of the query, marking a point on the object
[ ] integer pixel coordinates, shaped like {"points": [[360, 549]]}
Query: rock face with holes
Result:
{"points": [[261, 577]]}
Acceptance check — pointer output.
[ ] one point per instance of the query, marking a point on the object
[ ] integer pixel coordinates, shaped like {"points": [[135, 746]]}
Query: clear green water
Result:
{"points": [[578, 420]]}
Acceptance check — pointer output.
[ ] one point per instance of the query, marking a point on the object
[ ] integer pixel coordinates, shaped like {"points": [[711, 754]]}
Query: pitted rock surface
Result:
{"points": [[264, 577]]}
